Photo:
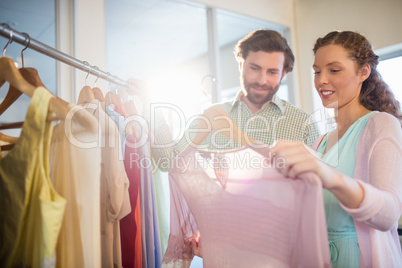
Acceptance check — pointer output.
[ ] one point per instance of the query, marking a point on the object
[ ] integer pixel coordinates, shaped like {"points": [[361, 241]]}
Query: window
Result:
{"points": [[37, 18], [390, 70], [165, 42]]}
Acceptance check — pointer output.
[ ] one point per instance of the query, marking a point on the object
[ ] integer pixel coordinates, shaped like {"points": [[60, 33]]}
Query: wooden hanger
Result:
{"points": [[120, 104], [11, 125], [31, 76], [12, 95], [131, 110], [110, 99], [6, 138], [98, 94], [97, 91], [86, 95], [10, 142], [10, 73]]}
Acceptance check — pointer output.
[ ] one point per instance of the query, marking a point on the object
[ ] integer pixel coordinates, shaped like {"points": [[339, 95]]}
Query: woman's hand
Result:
{"points": [[196, 246], [295, 158], [292, 158]]}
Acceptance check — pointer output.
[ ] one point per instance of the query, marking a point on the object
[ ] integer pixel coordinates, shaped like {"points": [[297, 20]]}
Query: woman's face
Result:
{"points": [[336, 78]]}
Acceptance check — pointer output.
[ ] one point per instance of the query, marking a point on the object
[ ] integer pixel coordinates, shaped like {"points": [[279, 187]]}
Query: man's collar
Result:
{"points": [[275, 100], [278, 102], [237, 98]]}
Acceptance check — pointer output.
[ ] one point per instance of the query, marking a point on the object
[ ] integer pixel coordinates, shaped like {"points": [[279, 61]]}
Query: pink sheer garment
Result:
{"points": [[246, 213]]}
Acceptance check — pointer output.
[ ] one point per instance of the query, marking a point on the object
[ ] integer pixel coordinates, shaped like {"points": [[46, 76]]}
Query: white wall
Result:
{"points": [[277, 11], [379, 21], [89, 41]]}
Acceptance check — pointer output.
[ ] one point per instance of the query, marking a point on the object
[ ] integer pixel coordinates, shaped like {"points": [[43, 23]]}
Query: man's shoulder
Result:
{"points": [[226, 106], [291, 109]]}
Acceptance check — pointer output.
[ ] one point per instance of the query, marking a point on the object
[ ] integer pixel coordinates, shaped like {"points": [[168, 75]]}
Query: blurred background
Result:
{"points": [[183, 49]]}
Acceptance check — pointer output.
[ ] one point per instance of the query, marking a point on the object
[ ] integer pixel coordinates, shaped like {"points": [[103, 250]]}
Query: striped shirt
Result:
{"points": [[276, 120]]}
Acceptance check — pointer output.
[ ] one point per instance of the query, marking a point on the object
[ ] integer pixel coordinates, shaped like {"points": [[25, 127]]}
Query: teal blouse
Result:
{"points": [[342, 237]]}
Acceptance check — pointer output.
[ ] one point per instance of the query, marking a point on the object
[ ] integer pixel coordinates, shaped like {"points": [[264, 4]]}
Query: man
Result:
{"points": [[264, 58]]}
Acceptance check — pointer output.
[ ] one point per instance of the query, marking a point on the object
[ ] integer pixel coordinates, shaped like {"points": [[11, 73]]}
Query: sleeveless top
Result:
{"points": [[32, 210], [342, 237]]}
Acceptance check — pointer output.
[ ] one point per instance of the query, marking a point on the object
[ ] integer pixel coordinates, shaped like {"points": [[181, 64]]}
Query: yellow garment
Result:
{"points": [[32, 209], [75, 168]]}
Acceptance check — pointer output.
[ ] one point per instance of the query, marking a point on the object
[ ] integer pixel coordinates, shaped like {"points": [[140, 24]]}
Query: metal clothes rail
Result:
{"points": [[25, 40]]}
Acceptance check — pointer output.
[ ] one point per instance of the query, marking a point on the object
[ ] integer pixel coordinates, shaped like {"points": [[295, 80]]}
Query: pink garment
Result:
{"points": [[246, 213], [378, 168]]}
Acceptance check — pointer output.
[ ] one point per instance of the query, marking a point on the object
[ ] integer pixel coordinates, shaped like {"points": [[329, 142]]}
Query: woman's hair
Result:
{"points": [[375, 94], [267, 41]]}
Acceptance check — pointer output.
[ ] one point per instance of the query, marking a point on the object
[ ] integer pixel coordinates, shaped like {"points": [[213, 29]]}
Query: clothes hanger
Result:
{"points": [[26, 80], [97, 91], [31, 75], [9, 142], [98, 94], [86, 94], [128, 103], [6, 138], [110, 99], [10, 73], [120, 104], [131, 110], [13, 93]]}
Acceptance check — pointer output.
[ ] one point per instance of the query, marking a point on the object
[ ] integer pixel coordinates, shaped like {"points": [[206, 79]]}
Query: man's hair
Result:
{"points": [[267, 41]]}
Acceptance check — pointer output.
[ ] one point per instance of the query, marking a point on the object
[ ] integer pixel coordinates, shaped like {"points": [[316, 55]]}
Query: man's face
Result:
{"points": [[261, 75]]}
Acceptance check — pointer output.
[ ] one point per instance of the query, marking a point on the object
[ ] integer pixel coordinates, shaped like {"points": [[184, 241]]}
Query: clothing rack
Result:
{"points": [[25, 40]]}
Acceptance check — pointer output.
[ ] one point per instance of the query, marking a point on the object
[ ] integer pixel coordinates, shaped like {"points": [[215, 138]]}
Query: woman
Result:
{"points": [[361, 160]]}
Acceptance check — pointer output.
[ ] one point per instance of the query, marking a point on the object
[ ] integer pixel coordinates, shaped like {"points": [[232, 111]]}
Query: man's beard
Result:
{"points": [[255, 97]]}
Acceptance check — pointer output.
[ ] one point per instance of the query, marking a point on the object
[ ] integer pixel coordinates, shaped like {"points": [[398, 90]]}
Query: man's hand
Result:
{"points": [[196, 246]]}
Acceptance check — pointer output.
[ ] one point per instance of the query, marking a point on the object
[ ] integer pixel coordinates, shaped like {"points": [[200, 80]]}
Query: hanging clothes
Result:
{"points": [[151, 246], [130, 225], [115, 201], [75, 167], [243, 213], [152, 253], [163, 203], [32, 209]]}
